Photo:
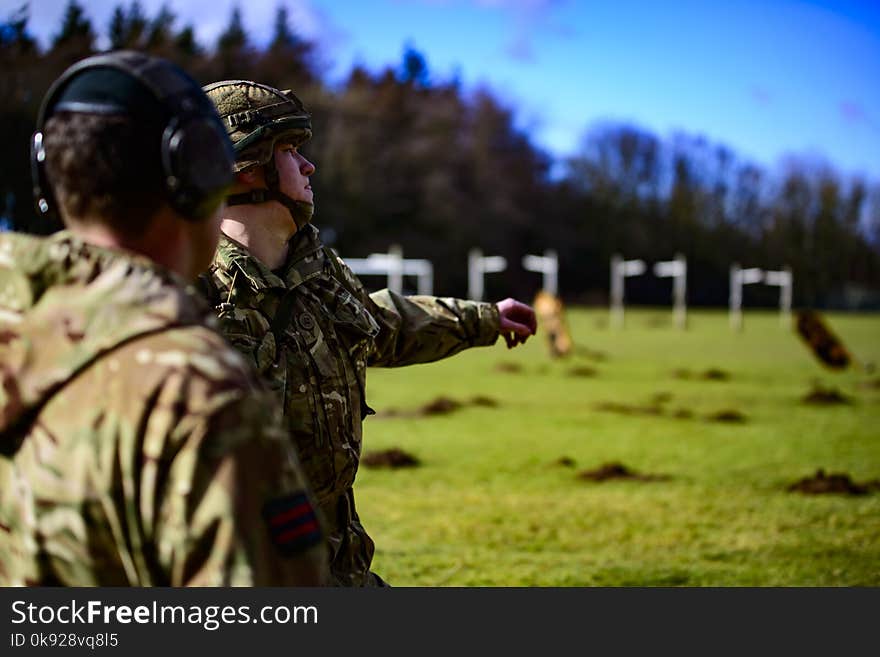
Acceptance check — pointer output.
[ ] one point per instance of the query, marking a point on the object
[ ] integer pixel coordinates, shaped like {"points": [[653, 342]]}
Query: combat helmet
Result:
{"points": [[256, 117]]}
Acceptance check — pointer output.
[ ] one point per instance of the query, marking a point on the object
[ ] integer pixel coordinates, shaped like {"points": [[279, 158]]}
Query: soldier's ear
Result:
{"points": [[250, 177]]}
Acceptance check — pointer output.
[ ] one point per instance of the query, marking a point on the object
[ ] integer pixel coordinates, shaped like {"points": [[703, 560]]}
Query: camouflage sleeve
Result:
{"points": [[19, 565], [247, 519], [421, 329]]}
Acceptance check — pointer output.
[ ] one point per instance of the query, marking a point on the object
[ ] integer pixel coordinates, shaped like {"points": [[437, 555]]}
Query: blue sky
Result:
{"points": [[766, 78]]}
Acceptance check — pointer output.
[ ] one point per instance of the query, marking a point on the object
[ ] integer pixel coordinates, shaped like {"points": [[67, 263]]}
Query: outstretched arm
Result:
{"points": [[422, 329]]}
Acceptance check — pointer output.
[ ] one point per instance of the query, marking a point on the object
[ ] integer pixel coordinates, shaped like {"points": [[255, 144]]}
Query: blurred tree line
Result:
{"points": [[404, 158]]}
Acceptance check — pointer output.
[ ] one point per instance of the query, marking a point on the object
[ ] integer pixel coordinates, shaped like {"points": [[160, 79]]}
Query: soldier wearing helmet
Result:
{"points": [[257, 119], [305, 320]]}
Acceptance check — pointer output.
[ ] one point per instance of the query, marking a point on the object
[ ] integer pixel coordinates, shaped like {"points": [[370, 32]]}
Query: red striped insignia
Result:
{"points": [[292, 523]]}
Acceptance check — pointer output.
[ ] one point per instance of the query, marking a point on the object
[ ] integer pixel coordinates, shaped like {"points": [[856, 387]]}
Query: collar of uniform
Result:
{"points": [[233, 256], [305, 256], [64, 259], [304, 242]]}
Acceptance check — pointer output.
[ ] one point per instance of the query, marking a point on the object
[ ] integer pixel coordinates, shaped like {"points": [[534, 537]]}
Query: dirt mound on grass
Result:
{"points": [[730, 415], [711, 374], [565, 462], [390, 458], [508, 368], [616, 470], [835, 483], [715, 374], [821, 396], [583, 371], [628, 409], [656, 407], [440, 406]]}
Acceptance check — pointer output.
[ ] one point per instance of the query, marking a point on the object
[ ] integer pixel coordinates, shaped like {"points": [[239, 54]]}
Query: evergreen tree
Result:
{"points": [[288, 60], [233, 39], [160, 30], [14, 37], [185, 43], [282, 37], [233, 57], [414, 69], [76, 28], [117, 28], [128, 27]]}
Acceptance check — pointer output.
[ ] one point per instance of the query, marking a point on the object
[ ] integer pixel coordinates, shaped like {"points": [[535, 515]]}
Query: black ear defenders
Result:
{"points": [[197, 158]]}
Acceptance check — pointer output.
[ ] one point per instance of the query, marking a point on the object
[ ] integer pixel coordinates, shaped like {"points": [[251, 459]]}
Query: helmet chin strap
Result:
{"points": [[300, 211]]}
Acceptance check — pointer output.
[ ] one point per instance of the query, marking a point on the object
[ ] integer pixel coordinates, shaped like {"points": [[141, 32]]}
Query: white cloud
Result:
{"points": [[528, 19]]}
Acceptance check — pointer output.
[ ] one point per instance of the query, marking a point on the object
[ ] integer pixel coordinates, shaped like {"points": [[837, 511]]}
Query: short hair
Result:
{"points": [[105, 169]]}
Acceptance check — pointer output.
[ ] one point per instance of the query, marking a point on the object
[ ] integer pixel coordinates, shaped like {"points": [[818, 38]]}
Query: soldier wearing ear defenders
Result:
{"points": [[136, 446], [297, 311]]}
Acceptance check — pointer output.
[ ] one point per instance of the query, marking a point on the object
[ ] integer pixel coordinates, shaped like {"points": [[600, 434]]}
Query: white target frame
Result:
{"points": [[478, 266], [548, 266], [395, 267]]}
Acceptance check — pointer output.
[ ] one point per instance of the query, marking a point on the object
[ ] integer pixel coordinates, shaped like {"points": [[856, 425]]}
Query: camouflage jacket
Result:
{"points": [[136, 447], [312, 330]]}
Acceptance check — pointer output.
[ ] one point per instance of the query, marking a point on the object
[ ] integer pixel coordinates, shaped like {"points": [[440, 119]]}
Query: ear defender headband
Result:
{"points": [[196, 154]]}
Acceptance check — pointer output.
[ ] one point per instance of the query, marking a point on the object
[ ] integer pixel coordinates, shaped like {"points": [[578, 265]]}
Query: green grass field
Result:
{"points": [[491, 506]]}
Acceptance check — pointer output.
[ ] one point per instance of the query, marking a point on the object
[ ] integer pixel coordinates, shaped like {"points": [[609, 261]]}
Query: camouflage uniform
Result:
{"points": [[312, 331], [136, 447]]}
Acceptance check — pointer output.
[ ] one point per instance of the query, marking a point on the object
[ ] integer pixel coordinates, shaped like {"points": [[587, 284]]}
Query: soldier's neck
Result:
{"points": [[165, 241], [264, 234]]}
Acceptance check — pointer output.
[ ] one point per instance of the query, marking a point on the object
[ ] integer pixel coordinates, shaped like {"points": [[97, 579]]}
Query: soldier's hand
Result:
{"points": [[517, 321]]}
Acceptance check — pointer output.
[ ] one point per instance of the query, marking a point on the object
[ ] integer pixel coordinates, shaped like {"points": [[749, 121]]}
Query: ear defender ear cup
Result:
{"points": [[197, 157], [197, 161]]}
